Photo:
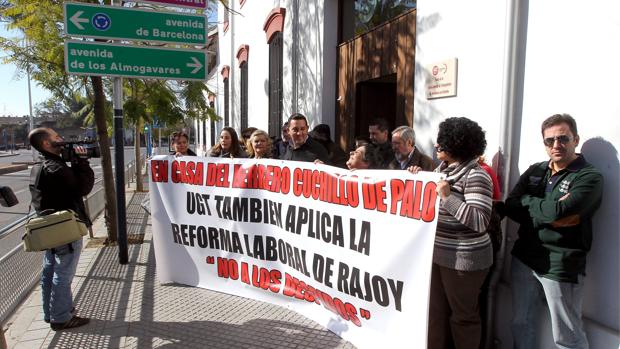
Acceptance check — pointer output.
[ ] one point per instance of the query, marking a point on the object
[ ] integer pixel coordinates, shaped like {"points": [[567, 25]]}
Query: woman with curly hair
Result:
{"points": [[463, 253], [228, 146], [259, 145]]}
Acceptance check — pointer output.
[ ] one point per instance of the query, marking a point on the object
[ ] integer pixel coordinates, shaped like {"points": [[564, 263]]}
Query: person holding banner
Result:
{"points": [[463, 253], [259, 145], [302, 147], [365, 157], [180, 142], [228, 146]]}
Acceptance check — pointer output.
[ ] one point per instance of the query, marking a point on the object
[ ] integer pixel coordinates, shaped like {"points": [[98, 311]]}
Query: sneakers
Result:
{"points": [[75, 321]]}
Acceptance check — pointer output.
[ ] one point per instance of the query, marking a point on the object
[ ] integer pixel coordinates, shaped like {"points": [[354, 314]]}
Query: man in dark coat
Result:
{"points": [[56, 186], [554, 202], [379, 132], [406, 154], [301, 146]]}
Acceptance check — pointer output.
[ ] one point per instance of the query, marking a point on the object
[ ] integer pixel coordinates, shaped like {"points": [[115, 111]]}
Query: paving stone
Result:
{"points": [[27, 344], [35, 334]]}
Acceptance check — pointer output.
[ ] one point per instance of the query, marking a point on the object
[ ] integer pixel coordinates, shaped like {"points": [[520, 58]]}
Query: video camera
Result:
{"points": [[68, 149]]}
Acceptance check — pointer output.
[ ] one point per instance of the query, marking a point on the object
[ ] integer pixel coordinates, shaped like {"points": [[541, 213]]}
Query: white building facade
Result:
{"points": [[519, 61], [299, 76]]}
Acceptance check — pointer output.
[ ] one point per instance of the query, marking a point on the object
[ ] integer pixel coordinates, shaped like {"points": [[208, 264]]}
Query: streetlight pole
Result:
{"points": [[31, 118]]}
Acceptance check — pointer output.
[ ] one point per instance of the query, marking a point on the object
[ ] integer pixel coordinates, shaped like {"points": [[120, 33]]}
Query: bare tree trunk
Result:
{"points": [[139, 185], [106, 157]]}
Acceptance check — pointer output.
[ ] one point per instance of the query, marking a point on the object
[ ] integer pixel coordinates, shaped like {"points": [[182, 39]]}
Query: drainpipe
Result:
{"points": [[511, 110], [231, 73], [294, 58]]}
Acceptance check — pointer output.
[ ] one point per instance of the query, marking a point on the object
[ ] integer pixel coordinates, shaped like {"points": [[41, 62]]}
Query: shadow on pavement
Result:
{"points": [[129, 308]]}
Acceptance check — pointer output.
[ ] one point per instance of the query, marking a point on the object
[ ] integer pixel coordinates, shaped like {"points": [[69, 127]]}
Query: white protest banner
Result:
{"points": [[351, 250]]}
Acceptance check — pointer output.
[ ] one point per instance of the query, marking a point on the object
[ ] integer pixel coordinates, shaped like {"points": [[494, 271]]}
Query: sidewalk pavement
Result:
{"points": [[129, 308]]}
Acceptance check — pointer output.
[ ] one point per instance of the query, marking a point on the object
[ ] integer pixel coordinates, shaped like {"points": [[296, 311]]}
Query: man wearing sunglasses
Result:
{"points": [[553, 202]]}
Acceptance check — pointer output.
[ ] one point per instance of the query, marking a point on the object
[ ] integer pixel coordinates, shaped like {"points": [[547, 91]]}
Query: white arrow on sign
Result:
{"points": [[196, 65], [76, 20]]}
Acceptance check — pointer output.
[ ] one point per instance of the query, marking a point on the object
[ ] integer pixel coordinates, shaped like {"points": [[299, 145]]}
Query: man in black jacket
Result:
{"points": [[379, 132], [56, 186], [554, 202], [301, 146]]}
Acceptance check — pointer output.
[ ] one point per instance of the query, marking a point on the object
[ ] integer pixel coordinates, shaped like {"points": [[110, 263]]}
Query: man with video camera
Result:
{"points": [[56, 186]]}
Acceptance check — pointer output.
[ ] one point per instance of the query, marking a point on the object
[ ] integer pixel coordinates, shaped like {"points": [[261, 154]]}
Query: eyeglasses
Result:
{"points": [[550, 141], [439, 148]]}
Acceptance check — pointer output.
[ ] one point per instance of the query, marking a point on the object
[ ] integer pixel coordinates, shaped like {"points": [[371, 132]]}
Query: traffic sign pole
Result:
{"points": [[104, 59], [119, 157]]}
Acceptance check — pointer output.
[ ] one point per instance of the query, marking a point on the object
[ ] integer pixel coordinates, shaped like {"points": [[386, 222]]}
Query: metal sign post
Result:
{"points": [[119, 157], [116, 60]]}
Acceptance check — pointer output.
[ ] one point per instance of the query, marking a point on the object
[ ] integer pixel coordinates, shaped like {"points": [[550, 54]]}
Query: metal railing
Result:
{"points": [[20, 270]]}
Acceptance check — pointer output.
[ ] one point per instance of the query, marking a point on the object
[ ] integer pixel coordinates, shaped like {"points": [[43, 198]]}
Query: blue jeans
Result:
{"points": [[58, 271], [564, 300]]}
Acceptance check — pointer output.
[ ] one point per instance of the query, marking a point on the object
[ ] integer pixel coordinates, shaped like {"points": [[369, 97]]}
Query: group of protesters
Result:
{"points": [[549, 202]]}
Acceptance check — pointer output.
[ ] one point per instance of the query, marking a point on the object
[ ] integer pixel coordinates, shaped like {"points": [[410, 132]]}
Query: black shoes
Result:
{"points": [[72, 312], [75, 321]]}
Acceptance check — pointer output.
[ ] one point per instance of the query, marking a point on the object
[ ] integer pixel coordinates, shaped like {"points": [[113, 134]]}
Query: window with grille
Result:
{"points": [[244, 95], [275, 84]]}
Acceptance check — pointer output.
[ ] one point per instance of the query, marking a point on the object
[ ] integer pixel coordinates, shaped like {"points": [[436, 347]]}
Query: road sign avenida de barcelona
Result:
{"points": [[103, 59], [122, 23], [115, 22]]}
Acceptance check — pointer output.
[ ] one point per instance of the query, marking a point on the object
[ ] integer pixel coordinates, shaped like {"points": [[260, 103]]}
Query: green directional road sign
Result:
{"points": [[114, 22], [93, 58]]}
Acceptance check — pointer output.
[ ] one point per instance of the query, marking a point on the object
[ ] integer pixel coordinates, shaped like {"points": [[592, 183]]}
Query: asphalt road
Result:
{"points": [[18, 182]]}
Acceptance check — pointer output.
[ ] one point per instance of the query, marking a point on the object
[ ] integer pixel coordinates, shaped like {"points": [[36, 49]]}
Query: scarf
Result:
{"points": [[456, 170]]}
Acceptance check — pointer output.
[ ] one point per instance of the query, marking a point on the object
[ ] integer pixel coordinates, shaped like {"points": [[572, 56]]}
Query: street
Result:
{"points": [[18, 182]]}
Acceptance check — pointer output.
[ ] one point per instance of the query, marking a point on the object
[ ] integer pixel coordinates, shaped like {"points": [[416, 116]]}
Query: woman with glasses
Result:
{"points": [[463, 253]]}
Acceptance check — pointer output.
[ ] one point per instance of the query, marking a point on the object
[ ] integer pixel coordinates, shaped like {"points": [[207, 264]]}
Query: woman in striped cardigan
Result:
{"points": [[463, 253]]}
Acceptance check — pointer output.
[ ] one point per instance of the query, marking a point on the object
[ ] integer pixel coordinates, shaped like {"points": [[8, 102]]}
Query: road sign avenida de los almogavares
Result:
{"points": [[103, 59], [115, 22]]}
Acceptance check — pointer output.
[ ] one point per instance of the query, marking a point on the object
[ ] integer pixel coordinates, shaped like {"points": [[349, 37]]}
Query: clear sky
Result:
{"points": [[14, 91]]}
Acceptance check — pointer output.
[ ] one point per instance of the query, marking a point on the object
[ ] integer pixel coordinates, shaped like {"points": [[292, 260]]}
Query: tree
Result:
{"points": [[41, 51]]}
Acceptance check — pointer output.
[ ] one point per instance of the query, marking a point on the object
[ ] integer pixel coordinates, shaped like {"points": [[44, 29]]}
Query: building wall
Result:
{"points": [[309, 65], [565, 62]]}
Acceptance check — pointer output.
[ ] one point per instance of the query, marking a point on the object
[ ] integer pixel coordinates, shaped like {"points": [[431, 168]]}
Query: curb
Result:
{"points": [[6, 155], [12, 168]]}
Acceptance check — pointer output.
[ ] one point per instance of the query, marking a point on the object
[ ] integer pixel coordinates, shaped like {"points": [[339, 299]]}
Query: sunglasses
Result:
{"points": [[550, 141]]}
